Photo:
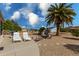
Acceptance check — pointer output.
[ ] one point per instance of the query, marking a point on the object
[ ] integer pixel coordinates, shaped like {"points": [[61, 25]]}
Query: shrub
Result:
{"points": [[9, 25], [64, 30], [41, 30], [75, 32]]}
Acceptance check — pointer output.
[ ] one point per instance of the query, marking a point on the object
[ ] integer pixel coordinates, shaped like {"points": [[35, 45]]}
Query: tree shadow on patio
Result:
{"points": [[37, 38], [73, 47], [1, 48], [72, 38]]}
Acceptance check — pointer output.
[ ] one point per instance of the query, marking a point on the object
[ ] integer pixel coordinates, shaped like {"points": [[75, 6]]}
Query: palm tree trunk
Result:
{"points": [[58, 29]]}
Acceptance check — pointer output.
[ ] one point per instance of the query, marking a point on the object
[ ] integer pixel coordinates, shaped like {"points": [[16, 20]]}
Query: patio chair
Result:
{"points": [[16, 37], [26, 37]]}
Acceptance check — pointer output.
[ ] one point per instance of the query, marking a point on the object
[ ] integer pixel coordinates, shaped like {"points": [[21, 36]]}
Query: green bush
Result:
{"points": [[9, 25], [64, 30], [75, 32], [41, 30]]}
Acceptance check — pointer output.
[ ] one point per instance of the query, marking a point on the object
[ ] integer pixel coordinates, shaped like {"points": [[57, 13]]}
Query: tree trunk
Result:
{"points": [[58, 29], [1, 28]]}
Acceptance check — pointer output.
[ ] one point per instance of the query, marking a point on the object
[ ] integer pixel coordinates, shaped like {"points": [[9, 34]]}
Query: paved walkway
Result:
{"points": [[24, 48]]}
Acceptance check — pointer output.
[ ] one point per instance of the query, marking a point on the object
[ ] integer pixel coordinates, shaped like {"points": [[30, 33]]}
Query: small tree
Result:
{"points": [[9, 25]]}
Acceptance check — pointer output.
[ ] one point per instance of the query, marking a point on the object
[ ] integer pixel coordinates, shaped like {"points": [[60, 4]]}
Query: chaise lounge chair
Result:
{"points": [[26, 36], [16, 37]]}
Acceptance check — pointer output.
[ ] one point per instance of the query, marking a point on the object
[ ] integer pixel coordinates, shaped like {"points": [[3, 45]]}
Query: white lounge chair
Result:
{"points": [[16, 37], [26, 36]]}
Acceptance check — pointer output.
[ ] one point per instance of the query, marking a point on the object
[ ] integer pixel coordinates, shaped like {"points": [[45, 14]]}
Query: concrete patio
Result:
{"points": [[23, 48]]}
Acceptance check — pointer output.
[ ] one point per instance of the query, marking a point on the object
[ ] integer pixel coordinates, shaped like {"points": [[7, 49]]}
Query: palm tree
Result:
{"points": [[59, 14]]}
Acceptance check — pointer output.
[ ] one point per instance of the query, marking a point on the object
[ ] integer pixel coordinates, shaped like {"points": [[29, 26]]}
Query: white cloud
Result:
{"points": [[23, 26], [33, 18], [16, 15], [25, 12], [7, 6], [44, 7], [29, 15]]}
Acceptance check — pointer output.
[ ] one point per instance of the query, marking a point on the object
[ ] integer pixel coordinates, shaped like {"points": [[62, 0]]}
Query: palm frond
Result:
{"points": [[60, 13]]}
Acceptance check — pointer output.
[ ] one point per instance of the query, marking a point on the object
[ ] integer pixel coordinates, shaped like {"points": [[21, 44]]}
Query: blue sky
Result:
{"points": [[31, 15]]}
